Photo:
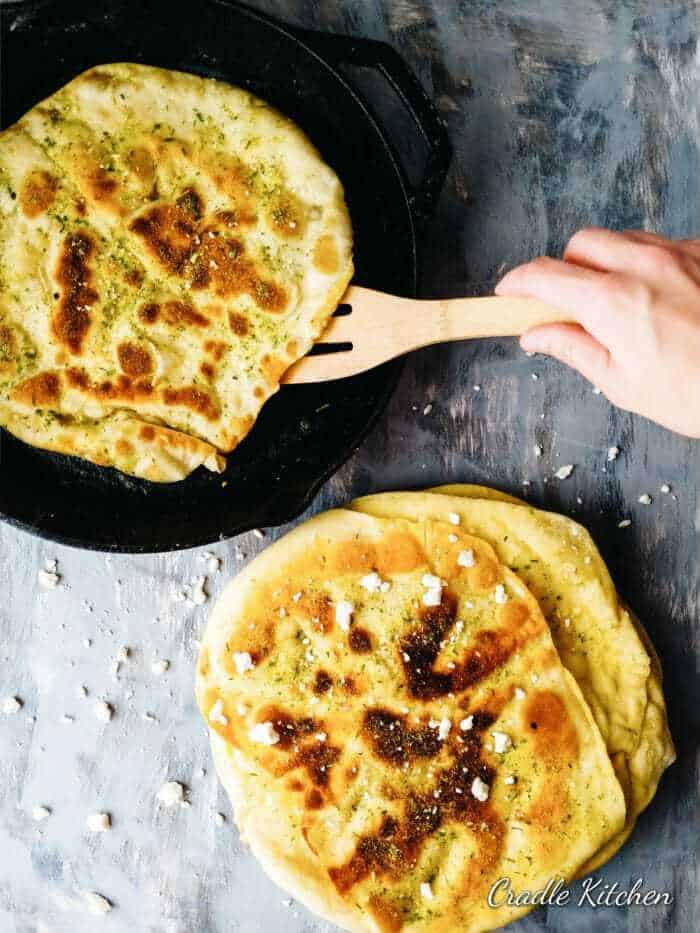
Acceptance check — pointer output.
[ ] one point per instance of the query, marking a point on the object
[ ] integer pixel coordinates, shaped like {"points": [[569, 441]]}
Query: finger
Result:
{"points": [[689, 246], [645, 256], [573, 345], [582, 294]]}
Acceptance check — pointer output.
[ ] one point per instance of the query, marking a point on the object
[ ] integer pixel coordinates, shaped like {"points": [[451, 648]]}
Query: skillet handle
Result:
{"points": [[380, 56]]}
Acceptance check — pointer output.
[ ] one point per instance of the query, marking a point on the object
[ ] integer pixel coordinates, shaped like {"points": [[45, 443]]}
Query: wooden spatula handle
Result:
{"points": [[494, 316], [382, 327]]}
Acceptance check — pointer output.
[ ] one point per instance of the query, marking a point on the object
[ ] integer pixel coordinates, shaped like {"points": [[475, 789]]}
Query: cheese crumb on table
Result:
{"points": [[98, 822], [160, 666], [96, 903], [170, 794], [645, 499], [40, 813], [625, 523], [564, 472], [49, 577], [104, 711], [11, 705], [613, 453]]}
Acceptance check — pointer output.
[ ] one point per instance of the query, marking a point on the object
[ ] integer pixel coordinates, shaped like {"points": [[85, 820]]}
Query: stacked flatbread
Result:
{"points": [[169, 246], [424, 693]]}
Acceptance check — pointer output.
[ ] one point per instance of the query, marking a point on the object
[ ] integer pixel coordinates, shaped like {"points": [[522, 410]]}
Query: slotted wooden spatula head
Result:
{"points": [[370, 328]]}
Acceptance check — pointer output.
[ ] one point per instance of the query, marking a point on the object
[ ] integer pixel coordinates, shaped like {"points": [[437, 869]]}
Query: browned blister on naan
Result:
{"points": [[169, 246]]}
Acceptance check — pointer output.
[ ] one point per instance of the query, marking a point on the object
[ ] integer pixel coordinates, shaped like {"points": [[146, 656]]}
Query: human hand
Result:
{"points": [[635, 301]]}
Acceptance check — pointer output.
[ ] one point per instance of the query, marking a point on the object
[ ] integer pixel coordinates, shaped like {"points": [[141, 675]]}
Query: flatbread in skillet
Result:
{"points": [[394, 726], [169, 246]]}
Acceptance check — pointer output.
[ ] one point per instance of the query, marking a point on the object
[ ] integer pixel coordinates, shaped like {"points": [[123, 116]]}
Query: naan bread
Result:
{"points": [[169, 246], [598, 639], [396, 731]]}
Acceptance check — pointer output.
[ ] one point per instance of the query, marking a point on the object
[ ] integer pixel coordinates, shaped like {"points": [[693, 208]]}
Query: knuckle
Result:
{"points": [[626, 289], [542, 264], [661, 259]]}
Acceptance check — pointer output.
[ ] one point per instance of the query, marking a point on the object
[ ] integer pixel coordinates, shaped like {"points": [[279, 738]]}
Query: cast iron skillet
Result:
{"points": [[304, 433]]}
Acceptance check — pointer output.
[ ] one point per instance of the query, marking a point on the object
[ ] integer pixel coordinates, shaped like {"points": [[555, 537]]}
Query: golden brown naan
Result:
{"points": [[599, 641], [169, 246], [392, 721]]}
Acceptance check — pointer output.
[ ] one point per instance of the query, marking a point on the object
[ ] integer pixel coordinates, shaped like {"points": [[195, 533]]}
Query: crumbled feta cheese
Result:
{"points": [[467, 724], [665, 488], [96, 903], [645, 499], [432, 597], [103, 711], [537, 450], [534, 678], [452, 538], [321, 736], [343, 614], [212, 561], [40, 813], [613, 453], [242, 709], [501, 742], [466, 558], [625, 523], [216, 713], [170, 794], [453, 518], [82, 692], [263, 733], [160, 666], [219, 819], [564, 472], [123, 653], [11, 705], [426, 892], [480, 790], [98, 822], [243, 661], [296, 597], [431, 582], [444, 727], [371, 582], [198, 594], [500, 594], [510, 779], [428, 408], [49, 578], [519, 693]]}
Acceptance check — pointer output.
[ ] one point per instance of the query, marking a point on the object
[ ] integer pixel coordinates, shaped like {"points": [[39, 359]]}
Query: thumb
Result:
{"points": [[573, 345]]}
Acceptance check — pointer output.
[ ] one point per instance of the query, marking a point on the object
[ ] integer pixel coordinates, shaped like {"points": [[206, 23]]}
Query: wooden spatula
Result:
{"points": [[370, 328]]}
